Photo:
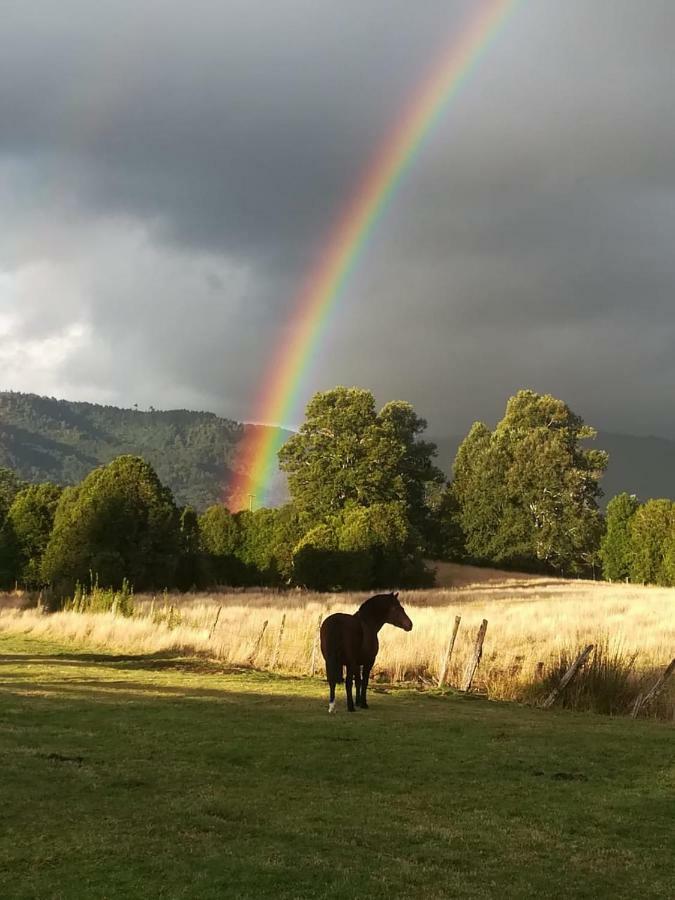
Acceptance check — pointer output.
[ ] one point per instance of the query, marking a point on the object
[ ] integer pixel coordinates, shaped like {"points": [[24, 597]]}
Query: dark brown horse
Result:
{"points": [[351, 642]]}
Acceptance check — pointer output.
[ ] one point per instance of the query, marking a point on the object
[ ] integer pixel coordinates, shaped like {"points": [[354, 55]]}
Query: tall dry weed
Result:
{"points": [[535, 626]]}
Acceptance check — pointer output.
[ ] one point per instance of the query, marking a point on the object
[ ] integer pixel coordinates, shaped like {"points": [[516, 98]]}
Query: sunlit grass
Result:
{"points": [[153, 775], [534, 626]]}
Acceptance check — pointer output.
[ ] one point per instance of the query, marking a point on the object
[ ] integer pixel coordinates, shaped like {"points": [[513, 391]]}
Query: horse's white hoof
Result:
{"points": [[331, 707]]}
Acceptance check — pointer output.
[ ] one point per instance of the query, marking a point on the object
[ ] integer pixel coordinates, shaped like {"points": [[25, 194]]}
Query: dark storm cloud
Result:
{"points": [[168, 171]]}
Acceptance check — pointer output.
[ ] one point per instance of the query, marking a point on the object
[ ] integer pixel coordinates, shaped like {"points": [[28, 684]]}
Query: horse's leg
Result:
{"points": [[358, 682], [331, 699], [364, 685], [348, 687]]}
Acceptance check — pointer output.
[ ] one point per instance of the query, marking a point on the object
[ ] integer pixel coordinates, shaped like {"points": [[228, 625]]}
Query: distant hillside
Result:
{"points": [[644, 466], [44, 439]]}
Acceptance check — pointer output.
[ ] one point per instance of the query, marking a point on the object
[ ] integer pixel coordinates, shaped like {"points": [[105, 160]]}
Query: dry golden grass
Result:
{"points": [[532, 620]]}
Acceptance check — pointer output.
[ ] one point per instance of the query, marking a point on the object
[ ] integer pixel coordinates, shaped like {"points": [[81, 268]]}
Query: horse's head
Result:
{"points": [[396, 615]]}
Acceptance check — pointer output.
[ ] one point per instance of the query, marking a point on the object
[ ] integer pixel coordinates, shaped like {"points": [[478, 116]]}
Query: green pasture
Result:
{"points": [[160, 777]]}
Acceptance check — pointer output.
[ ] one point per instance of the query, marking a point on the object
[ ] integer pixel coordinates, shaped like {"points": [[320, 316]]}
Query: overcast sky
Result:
{"points": [[168, 172]]}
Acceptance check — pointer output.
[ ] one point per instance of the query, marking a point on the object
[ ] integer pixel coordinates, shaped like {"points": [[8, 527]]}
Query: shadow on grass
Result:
{"points": [[16, 667], [158, 661]]}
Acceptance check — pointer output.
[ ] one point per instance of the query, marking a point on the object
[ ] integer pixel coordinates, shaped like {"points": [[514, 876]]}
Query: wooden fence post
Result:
{"points": [[654, 691], [258, 643], [315, 646], [448, 652], [213, 627], [567, 677], [475, 659], [275, 655]]}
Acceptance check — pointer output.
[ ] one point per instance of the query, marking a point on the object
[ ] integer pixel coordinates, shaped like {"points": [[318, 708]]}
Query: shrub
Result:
{"points": [[100, 600], [608, 683]]}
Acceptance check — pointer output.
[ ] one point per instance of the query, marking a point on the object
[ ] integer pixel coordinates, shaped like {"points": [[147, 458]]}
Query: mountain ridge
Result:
{"points": [[194, 452]]}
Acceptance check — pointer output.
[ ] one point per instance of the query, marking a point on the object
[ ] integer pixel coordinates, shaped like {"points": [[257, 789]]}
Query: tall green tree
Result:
{"points": [[29, 524], [188, 574], [527, 492], [268, 537], [669, 557], [119, 523], [651, 529], [615, 549], [218, 530], [347, 454], [9, 488], [219, 543]]}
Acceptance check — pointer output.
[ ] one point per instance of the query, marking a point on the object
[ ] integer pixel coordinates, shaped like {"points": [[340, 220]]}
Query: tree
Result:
{"points": [[120, 522], [669, 557], [615, 549], [188, 574], [219, 534], [317, 562], [29, 525], [447, 540], [268, 537], [346, 454], [9, 488], [220, 542], [651, 529], [527, 492]]}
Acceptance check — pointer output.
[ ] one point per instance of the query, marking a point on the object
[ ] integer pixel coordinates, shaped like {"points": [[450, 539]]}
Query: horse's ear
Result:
{"points": [[395, 596]]}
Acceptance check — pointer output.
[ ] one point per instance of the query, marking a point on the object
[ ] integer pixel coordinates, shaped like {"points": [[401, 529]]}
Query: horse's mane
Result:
{"points": [[377, 605]]}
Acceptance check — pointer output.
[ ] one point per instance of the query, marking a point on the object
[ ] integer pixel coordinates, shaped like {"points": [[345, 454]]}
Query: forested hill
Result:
{"points": [[644, 466], [43, 439]]}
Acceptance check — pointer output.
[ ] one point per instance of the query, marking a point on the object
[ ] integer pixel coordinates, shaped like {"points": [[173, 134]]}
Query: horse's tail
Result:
{"points": [[332, 647], [334, 668]]}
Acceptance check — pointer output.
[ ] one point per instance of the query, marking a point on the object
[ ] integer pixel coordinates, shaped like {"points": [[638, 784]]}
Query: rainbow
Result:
{"points": [[282, 385]]}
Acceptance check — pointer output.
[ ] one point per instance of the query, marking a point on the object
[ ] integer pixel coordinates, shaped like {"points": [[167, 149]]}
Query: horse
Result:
{"points": [[351, 641]]}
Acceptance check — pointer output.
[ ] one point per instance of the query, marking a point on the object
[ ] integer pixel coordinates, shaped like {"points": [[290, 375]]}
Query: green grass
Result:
{"points": [[151, 777]]}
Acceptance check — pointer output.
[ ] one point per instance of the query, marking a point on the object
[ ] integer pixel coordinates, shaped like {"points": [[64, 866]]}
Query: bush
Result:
{"points": [[317, 562], [608, 683], [101, 600], [363, 549]]}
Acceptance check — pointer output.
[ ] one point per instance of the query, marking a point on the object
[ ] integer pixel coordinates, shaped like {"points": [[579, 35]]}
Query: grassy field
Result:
{"points": [[156, 776], [535, 625]]}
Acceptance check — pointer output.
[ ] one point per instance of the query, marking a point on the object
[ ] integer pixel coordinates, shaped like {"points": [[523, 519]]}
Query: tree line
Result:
{"points": [[368, 506]]}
